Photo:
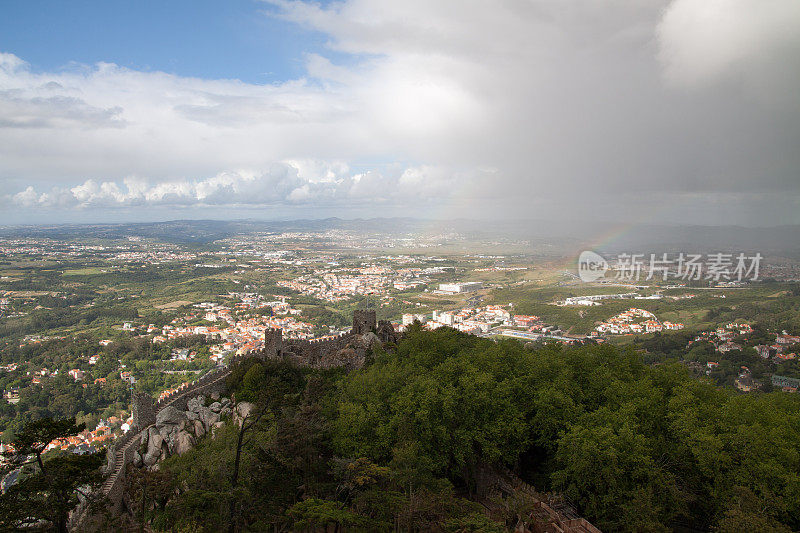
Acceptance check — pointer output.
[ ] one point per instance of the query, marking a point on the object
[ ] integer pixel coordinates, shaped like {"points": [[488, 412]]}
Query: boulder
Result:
{"points": [[170, 415], [166, 431], [369, 338], [216, 406], [215, 396], [154, 443], [183, 442], [346, 357], [171, 447], [244, 408], [150, 459], [194, 404], [137, 460], [190, 415], [225, 402], [208, 417], [199, 430]]}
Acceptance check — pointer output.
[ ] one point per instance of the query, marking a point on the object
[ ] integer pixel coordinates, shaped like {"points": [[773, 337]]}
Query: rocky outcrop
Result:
{"points": [[176, 432], [386, 333], [170, 416], [243, 410], [184, 416], [349, 357]]}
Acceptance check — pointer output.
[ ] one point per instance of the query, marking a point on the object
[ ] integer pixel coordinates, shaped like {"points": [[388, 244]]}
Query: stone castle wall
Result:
{"points": [[320, 352], [145, 409], [213, 381], [312, 352]]}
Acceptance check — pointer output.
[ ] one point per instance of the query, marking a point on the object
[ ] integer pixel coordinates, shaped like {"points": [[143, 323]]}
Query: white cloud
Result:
{"points": [[448, 101], [26, 198], [283, 183]]}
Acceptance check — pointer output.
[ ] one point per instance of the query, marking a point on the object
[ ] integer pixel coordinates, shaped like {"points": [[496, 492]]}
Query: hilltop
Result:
{"points": [[426, 433]]}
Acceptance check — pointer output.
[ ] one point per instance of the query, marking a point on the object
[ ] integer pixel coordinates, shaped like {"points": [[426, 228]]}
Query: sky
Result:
{"points": [[631, 111]]}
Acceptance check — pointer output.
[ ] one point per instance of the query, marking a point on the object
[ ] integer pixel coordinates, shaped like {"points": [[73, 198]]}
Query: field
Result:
{"points": [[58, 305], [707, 309]]}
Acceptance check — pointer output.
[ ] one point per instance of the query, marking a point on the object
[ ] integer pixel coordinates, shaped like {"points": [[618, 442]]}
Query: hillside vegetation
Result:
{"points": [[399, 444]]}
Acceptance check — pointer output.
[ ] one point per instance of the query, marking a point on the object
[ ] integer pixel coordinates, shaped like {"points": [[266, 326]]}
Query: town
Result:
{"points": [[277, 282]]}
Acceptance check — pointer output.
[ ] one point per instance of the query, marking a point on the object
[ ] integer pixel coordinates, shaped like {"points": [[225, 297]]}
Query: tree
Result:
{"points": [[149, 490], [301, 445], [247, 422], [634, 448], [747, 512], [37, 435], [318, 513], [52, 491]]}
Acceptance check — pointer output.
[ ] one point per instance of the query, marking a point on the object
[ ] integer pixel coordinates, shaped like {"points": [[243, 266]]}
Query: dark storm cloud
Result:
{"points": [[621, 106]]}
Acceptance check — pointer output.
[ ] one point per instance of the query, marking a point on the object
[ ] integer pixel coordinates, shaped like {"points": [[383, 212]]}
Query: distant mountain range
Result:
{"points": [[205, 231], [560, 236]]}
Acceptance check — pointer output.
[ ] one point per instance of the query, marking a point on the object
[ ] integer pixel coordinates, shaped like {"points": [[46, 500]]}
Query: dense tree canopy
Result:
{"points": [[401, 441]]}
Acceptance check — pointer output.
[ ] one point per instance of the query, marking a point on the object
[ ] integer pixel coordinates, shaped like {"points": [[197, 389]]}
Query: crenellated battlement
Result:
{"points": [[322, 352], [346, 349], [364, 321], [318, 342]]}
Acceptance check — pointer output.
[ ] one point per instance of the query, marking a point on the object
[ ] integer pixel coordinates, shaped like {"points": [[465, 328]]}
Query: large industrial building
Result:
{"points": [[458, 288]]}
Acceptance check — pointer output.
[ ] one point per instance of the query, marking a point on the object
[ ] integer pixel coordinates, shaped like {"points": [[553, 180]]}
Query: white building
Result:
{"points": [[409, 319], [444, 317], [458, 288]]}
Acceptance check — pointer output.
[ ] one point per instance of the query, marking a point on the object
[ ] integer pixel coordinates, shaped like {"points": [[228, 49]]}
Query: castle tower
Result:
{"points": [[385, 332], [144, 410], [273, 343], [364, 321]]}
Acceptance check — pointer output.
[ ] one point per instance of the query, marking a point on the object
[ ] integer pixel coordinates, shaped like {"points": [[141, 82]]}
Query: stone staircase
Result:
{"points": [[553, 513], [123, 449], [122, 452], [119, 464], [109, 482]]}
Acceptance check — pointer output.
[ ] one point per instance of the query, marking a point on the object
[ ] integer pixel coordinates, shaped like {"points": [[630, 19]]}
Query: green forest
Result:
{"points": [[63, 397], [400, 443]]}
